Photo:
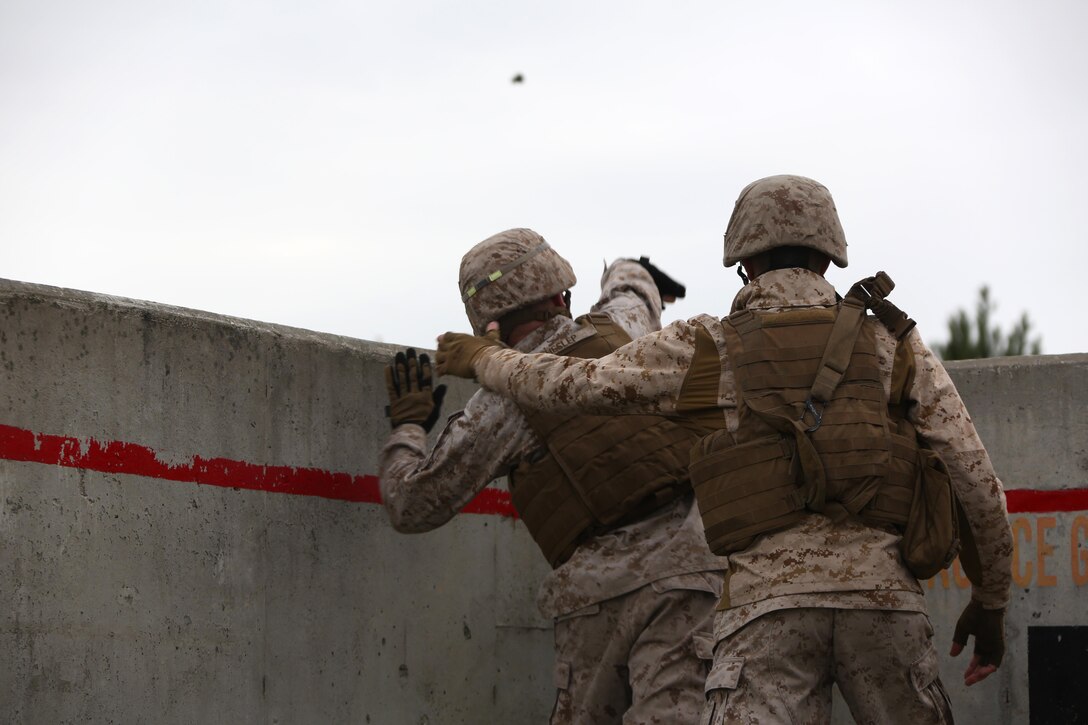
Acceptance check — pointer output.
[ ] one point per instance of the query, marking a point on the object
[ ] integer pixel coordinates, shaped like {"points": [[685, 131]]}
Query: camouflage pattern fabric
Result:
{"points": [[639, 658], [780, 668], [421, 489], [508, 271], [814, 564], [784, 211]]}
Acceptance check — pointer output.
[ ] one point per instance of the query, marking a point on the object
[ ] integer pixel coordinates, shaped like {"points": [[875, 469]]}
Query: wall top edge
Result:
{"points": [[11, 290], [1077, 359]]}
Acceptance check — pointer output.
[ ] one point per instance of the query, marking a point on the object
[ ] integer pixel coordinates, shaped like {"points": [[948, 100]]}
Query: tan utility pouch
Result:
{"points": [[918, 484], [931, 536], [745, 489]]}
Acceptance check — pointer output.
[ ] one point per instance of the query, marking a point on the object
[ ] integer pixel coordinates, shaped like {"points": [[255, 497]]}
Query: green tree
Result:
{"points": [[970, 339]]}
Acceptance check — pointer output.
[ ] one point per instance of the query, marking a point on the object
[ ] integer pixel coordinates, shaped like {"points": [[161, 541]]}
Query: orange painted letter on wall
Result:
{"points": [[1078, 551], [1043, 550], [942, 577], [1021, 528]]}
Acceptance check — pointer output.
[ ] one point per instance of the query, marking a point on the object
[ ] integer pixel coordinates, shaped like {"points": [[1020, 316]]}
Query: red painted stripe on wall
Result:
{"points": [[18, 444], [1029, 501]]}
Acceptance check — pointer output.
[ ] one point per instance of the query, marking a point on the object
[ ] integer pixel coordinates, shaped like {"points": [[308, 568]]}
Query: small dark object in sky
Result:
{"points": [[519, 78]]}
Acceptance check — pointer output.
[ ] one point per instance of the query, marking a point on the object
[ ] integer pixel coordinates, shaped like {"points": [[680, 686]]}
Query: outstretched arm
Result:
{"points": [[644, 376]]}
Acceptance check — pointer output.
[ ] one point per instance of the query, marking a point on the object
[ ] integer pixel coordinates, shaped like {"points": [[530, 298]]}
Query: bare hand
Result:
{"points": [[987, 626], [976, 671]]}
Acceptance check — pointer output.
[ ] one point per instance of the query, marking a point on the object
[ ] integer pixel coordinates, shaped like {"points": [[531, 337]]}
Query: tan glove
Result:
{"points": [[411, 398], [988, 628], [458, 354]]}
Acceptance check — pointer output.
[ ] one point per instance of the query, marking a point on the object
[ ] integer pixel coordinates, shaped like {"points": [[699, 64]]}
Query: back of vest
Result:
{"points": [[599, 472], [787, 458]]}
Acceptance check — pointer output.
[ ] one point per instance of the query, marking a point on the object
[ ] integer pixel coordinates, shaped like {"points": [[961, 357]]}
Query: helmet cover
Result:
{"points": [[508, 271], [784, 211]]}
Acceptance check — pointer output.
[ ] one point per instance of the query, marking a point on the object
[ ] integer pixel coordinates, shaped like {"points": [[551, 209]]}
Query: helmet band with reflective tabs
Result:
{"points": [[505, 269]]}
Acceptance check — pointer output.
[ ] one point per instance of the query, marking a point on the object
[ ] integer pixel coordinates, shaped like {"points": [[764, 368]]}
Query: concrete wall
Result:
{"points": [[135, 598], [1032, 414], [189, 532]]}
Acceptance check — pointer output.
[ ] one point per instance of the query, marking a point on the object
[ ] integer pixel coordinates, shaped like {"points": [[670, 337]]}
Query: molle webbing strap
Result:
{"points": [[600, 472], [698, 398], [779, 465], [505, 269], [816, 429], [868, 293], [736, 505], [836, 359], [840, 346], [873, 290], [813, 484], [903, 370], [892, 503], [555, 518], [837, 355], [608, 331]]}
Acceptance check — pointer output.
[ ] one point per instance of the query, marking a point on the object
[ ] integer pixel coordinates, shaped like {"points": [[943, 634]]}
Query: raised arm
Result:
{"points": [[630, 297], [421, 491]]}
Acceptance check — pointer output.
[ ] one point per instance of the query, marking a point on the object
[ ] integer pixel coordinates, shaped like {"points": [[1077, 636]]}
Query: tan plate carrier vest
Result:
{"points": [[816, 432], [599, 472]]}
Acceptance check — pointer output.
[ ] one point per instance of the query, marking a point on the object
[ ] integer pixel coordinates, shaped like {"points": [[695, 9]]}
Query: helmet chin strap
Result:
{"points": [[740, 272], [529, 314]]}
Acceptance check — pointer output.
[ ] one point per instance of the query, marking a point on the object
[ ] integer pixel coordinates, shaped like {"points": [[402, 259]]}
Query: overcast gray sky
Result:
{"points": [[326, 164]]}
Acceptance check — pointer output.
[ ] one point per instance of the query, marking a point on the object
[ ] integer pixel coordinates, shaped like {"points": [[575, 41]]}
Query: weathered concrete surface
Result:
{"points": [[129, 598], [1032, 414], [132, 599]]}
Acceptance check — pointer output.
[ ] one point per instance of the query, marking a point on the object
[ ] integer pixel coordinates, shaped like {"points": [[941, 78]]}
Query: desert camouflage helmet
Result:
{"points": [[508, 271], [784, 211]]}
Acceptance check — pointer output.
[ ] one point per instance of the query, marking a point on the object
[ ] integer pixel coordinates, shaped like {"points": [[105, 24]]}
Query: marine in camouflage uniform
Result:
{"points": [[633, 604], [826, 599]]}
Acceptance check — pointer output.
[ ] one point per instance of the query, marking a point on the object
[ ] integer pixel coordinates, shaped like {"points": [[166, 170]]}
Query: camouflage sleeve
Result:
{"points": [[644, 376], [630, 297], [943, 421], [421, 491]]}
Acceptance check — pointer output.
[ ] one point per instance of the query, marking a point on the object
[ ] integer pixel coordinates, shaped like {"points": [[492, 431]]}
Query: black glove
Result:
{"points": [[988, 627], [411, 399], [669, 288]]}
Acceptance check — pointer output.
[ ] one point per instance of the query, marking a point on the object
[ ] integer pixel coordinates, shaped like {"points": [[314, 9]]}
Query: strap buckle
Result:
{"points": [[817, 415]]}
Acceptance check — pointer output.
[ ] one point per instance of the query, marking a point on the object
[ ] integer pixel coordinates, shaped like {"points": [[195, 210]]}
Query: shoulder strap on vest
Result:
{"points": [[869, 293], [698, 396], [903, 368], [606, 337], [840, 346], [606, 329], [872, 291]]}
